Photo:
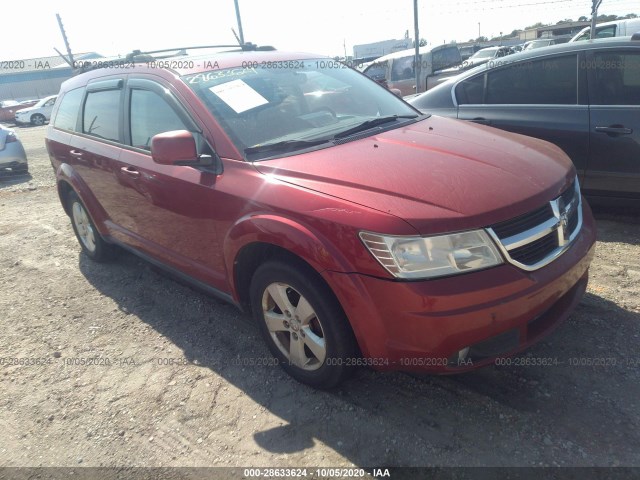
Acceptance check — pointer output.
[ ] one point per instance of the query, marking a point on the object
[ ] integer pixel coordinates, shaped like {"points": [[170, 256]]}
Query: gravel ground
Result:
{"points": [[171, 377]]}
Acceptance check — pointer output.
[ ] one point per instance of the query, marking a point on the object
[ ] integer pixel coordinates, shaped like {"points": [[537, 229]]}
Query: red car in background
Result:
{"points": [[8, 109], [356, 230]]}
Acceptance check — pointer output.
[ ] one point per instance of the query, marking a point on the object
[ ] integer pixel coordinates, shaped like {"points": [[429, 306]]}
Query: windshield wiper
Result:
{"points": [[284, 146], [374, 122]]}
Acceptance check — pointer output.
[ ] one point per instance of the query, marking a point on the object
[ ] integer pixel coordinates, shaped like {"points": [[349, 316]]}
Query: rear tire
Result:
{"points": [[303, 324], [88, 236]]}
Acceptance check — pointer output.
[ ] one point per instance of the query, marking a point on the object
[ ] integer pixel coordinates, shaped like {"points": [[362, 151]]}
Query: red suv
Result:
{"points": [[355, 229]]}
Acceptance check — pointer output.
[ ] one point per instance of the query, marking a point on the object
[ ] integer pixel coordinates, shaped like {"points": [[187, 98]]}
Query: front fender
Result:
{"points": [[288, 234]]}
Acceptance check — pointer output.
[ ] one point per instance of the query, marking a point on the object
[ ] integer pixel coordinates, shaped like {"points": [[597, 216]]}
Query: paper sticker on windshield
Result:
{"points": [[238, 95]]}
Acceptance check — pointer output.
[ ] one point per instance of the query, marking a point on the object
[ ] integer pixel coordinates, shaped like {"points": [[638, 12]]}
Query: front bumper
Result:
{"points": [[496, 312], [13, 156]]}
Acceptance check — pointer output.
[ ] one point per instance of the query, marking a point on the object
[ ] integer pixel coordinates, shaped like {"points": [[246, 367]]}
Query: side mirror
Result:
{"points": [[169, 148]]}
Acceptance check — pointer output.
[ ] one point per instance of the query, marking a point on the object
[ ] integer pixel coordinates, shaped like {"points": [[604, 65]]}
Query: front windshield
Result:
{"points": [[484, 54], [266, 103]]}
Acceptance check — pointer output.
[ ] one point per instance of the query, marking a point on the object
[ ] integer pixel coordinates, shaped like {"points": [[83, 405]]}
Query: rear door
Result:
{"points": [[614, 93], [543, 98], [98, 143]]}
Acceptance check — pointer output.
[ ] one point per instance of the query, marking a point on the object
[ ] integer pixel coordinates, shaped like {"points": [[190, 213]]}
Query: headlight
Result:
{"points": [[429, 257]]}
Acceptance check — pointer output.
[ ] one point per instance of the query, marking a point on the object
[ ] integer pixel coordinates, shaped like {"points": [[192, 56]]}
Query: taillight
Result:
{"points": [[11, 137]]}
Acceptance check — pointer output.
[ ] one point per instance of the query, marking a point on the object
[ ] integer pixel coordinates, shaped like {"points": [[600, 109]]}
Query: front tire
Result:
{"points": [[303, 324], [38, 120], [88, 236]]}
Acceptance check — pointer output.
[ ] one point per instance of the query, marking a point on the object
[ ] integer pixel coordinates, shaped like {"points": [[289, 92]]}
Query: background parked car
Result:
{"points": [[487, 54], [13, 158], [39, 113], [396, 71], [546, 42], [468, 50], [584, 97], [8, 109], [617, 28]]}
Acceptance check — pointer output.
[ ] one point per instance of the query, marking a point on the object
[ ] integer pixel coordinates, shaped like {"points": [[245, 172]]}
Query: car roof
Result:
{"points": [[410, 51], [554, 49]]}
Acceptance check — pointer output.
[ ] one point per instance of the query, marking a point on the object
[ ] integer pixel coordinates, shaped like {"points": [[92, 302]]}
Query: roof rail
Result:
{"points": [[138, 56], [246, 47]]}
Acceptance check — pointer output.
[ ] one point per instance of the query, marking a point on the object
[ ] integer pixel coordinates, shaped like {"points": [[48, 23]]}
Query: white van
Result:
{"points": [[396, 70], [617, 28]]}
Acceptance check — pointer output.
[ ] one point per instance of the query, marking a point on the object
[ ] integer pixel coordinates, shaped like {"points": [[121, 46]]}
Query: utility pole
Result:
{"points": [[66, 43], [417, 44], [479, 31], [594, 15], [239, 22]]}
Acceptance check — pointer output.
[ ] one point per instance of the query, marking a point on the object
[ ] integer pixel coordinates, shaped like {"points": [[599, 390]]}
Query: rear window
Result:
{"points": [[402, 68], [377, 71], [446, 58], [67, 116]]}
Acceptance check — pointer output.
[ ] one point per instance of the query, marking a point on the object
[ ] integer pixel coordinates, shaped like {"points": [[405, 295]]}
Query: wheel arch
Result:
{"points": [[258, 238], [67, 181]]}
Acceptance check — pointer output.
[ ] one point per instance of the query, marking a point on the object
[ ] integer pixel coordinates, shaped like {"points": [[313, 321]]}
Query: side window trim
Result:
{"points": [[202, 145], [153, 86], [111, 84], [97, 86]]}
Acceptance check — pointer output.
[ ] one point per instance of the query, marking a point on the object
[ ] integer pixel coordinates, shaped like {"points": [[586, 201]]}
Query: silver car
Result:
{"points": [[13, 158]]}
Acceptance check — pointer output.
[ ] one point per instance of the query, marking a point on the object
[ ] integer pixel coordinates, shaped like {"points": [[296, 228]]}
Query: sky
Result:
{"points": [[326, 27]]}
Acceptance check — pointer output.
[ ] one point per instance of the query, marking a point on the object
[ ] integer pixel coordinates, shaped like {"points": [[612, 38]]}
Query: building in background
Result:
{"points": [[551, 31], [36, 78], [378, 49]]}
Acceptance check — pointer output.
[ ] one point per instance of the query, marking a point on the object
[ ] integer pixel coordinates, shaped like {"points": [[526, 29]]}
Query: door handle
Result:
{"points": [[75, 153], [131, 172], [615, 130]]}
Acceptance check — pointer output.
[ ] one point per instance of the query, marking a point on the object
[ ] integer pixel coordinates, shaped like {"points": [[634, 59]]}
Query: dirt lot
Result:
{"points": [[173, 386]]}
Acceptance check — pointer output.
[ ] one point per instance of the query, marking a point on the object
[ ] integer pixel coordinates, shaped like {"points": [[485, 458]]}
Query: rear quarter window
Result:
{"points": [[67, 116]]}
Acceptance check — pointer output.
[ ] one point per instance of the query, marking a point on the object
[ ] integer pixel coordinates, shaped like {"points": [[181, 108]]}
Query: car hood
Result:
{"points": [[437, 174], [23, 111]]}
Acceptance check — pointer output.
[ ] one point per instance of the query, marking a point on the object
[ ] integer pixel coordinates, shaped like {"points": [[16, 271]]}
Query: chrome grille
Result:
{"points": [[535, 239]]}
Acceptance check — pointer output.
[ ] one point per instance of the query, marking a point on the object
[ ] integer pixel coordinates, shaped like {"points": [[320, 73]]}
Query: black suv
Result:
{"points": [[584, 97]]}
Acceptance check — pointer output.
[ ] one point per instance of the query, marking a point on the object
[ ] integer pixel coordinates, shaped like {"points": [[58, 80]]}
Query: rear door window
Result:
{"points": [[550, 81], [471, 91], [101, 115], [617, 78]]}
